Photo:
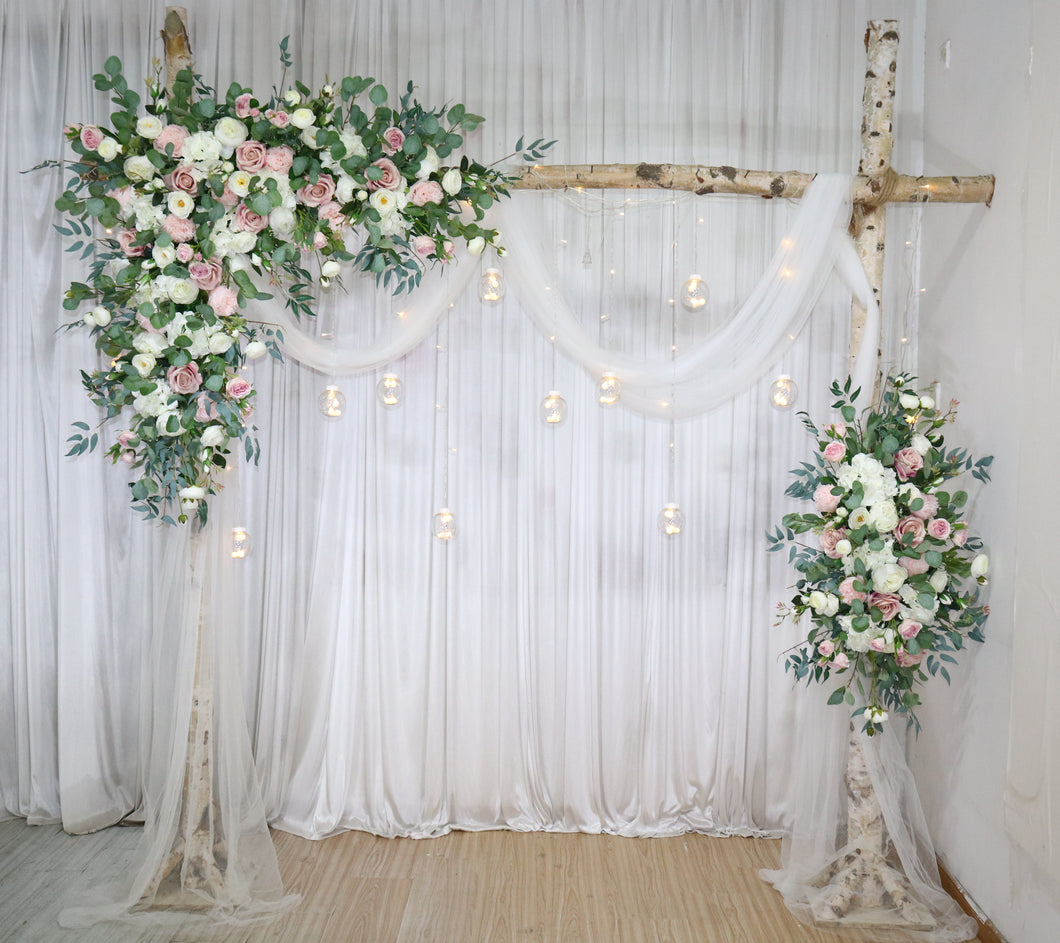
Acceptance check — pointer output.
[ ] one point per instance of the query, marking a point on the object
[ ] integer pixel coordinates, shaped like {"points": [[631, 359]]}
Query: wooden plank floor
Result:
{"points": [[493, 887]]}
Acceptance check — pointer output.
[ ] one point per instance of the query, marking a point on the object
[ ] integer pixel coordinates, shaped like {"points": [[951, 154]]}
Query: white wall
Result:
{"points": [[988, 332]]}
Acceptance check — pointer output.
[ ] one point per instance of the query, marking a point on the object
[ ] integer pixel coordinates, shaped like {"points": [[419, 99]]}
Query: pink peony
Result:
{"points": [[939, 528], [830, 536], [910, 525], [249, 221], [182, 179], [279, 158], [824, 500], [250, 156], [181, 230], [237, 387], [91, 137], [909, 629], [278, 119], [393, 138], [847, 592], [171, 134], [125, 240], [834, 452], [243, 105], [391, 179], [184, 380], [841, 661], [826, 648], [224, 301], [185, 253], [914, 566], [319, 193], [422, 245], [905, 660], [426, 191], [887, 603], [332, 212], [907, 463], [207, 275]]}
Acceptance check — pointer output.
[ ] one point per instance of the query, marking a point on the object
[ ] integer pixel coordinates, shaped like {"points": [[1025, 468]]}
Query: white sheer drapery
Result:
{"points": [[559, 665]]}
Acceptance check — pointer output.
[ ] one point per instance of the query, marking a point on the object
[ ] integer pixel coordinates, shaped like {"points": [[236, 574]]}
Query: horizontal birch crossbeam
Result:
{"points": [[790, 184]]}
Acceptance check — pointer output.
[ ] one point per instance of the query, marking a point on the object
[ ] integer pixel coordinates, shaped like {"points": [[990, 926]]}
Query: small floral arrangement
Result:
{"points": [[892, 584], [186, 208]]}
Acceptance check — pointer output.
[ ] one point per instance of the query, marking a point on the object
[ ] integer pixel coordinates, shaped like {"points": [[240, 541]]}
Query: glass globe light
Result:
{"points": [[695, 294], [783, 393], [332, 402], [389, 390], [554, 408], [491, 286], [444, 524], [610, 389], [240, 542], [671, 520]]}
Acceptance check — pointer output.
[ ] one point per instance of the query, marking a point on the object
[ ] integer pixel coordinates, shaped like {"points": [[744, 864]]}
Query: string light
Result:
{"points": [[610, 389], [240, 542], [783, 392], [671, 520], [444, 524], [389, 390], [554, 408], [694, 294], [332, 402], [491, 286]]}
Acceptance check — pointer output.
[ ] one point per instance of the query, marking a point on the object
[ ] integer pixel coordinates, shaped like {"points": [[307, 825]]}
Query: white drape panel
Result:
{"points": [[558, 665]]}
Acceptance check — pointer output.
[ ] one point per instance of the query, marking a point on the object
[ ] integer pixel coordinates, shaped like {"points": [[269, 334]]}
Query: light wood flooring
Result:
{"points": [[468, 887]]}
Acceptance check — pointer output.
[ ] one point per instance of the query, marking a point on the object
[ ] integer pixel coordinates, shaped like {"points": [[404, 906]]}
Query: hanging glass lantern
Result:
{"points": [[491, 286], [240, 542], [783, 393], [554, 408], [390, 390], [332, 402], [671, 520], [610, 389], [444, 524], [694, 294]]}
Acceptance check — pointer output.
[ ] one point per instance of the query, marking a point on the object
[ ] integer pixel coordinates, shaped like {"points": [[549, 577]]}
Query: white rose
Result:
{"points": [[180, 204], [302, 118], [330, 268], [928, 402], [144, 364], [344, 188], [920, 443], [213, 436], [90, 318], [255, 349], [817, 600], [429, 164], [888, 578], [291, 97], [938, 579], [476, 245], [452, 182], [909, 401], [162, 423], [149, 343], [149, 127], [980, 565], [138, 168], [183, 291], [220, 342], [230, 132], [164, 255], [281, 220], [884, 516], [831, 605], [108, 149], [243, 241], [309, 138], [843, 547]]}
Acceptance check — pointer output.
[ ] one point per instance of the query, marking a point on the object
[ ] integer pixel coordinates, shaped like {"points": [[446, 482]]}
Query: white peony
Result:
{"points": [[213, 436], [153, 403], [138, 168], [108, 149], [101, 315], [144, 364], [353, 143], [150, 343], [229, 132], [255, 349], [344, 188], [302, 118], [452, 182], [202, 148], [243, 241], [183, 291], [309, 138], [817, 600], [164, 255], [149, 126], [927, 402], [884, 516], [888, 578], [191, 495], [282, 221], [980, 565]]}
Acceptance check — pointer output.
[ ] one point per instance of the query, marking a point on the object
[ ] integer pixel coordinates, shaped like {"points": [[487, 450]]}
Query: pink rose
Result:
{"points": [[830, 536], [207, 409], [929, 508], [907, 463], [237, 387], [91, 137], [914, 566], [125, 240], [393, 138], [250, 156], [243, 105], [319, 240], [279, 158], [391, 179], [939, 528], [824, 500], [447, 250], [317, 194], [146, 324], [184, 380], [847, 592], [278, 119], [841, 661], [826, 648], [182, 179], [227, 199], [249, 221], [837, 429], [426, 191], [910, 525], [173, 134], [905, 660], [127, 457], [878, 645], [834, 452], [181, 230], [422, 245], [887, 603], [207, 275], [124, 196], [224, 301], [909, 629], [185, 253], [332, 212], [125, 437], [960, 536]]}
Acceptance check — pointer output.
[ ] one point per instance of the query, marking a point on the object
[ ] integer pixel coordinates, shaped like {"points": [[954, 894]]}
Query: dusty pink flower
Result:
{"points": [[422, 245], [185, 253], [317, 194], [426, 191], [243, 105], [907, 463], [250, 156], [391, 179], [237, 387], [125, 240], [960, 536], [146, 324], [841, 661], [319, 240], [837, 429], [824, 500], [929, 508], [127, 457], [332, 212], [939, 528], [826, 648], [228, 199], [207, 409], [393, 138], [905, 660], [278, 119], [847, 592], [914, 566], [124, 196], [184, 380], [249, 221], [206, 275], [182, 230], [834, 452], [125, 437], [224, 301], [909, 629], [182, 179], [91, 137], [173, 134], [910, 525], [279, 158], [830, 536], [878, 645], [887, 603]]}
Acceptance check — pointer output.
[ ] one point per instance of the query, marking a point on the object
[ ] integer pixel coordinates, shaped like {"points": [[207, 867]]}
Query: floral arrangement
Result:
{"points": [[892, 584], [187, 207]]}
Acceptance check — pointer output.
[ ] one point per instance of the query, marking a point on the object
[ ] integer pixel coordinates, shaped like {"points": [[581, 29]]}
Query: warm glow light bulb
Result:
{"points": [[694, 294], [610, 389], [332, 402], [444, 524], [240, 542], [783, 393], [671, 520], [491, 286], [554, 408], [389, 390]]}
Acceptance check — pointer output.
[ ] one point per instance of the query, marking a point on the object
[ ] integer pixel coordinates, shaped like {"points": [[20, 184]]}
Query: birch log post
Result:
{"points": [[177, 44]]}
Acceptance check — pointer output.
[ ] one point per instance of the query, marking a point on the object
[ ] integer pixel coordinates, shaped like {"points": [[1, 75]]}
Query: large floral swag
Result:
{"points": [[184, 210]]}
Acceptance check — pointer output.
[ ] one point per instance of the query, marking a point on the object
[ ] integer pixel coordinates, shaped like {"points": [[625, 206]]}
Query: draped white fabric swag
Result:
{"points": [[560, 665]]}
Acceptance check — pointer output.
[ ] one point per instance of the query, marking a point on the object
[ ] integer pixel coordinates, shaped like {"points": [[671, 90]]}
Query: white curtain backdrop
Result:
{"points": [[560, 664]]}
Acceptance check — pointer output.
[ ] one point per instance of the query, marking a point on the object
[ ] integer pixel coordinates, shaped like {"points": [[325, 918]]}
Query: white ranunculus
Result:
{"points": [[164, 255], [213, 436], [884, 516], [817, 600], [888, 578], [239, 262], [230, 132], [220, 342], [243, 241], [149, 126], [858, 641], [309, 138], [108, 149], [920, 443], [476, 245], [138, 168], [255, 349], [239, 183], [330, 268], [291, 97], [302, 118], [200, 344], [980, 565], [144, 364], [939, 579], [281, 219], [452, 181], [384, 202], [180, 204], [843, 547], [90, 318], [928, 402], [859, 517], [183, 291], [148, 342], [909, 401], [102, 315], [429, 164]]}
